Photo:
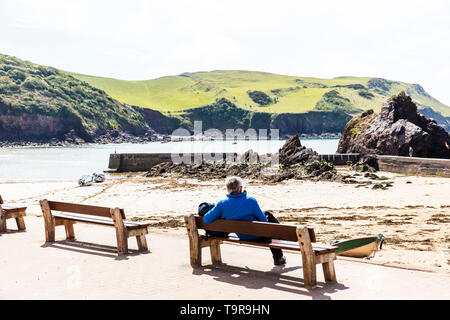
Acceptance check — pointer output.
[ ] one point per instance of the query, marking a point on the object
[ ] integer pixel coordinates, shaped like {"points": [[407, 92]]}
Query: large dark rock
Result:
{"points": [[398, 126], [293, 152]]}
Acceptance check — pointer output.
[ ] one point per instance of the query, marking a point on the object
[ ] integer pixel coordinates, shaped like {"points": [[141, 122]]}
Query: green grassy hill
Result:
{"points": [[261, 92], [39, 102]]}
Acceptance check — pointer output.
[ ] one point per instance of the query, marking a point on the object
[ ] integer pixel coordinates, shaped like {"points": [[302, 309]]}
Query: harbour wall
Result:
{"points": [[340, 159], [132, 162], [414, 166]]}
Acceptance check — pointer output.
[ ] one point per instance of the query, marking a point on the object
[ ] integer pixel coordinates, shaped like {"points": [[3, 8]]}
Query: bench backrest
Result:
{"points": [[83, 209], [255, 228]]}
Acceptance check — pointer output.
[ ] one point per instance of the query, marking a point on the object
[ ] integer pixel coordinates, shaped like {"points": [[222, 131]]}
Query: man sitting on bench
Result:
{"points": [[238, 206]]}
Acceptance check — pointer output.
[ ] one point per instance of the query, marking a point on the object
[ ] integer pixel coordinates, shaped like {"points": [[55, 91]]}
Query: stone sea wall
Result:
{"points": [[413, 166]]}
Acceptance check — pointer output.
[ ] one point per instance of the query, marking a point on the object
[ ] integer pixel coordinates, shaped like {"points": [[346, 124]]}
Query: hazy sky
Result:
{"points": [[133, 39]]}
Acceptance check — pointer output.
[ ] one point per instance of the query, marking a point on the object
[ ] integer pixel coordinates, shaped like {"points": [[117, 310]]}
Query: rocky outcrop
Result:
{"points": [[293, 152], [398, 127], [315, 170], [297, 162]]}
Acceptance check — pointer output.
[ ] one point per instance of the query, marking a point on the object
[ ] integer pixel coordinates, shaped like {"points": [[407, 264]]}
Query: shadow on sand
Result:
{"points": [[274, 279], [12, 231], [92, 248]]}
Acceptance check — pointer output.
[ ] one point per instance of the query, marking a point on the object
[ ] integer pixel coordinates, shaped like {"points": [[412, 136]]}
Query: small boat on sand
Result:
{"points": [[88, 180], [359, 248], [85, 181], [99, 177]]}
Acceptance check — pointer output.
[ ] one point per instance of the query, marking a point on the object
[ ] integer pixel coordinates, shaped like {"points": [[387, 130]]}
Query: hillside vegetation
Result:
{"points": [[261, 92], [43, 102]]}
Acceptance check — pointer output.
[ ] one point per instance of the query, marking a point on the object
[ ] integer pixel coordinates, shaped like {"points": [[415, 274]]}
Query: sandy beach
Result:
{"points": [[413, 214]]}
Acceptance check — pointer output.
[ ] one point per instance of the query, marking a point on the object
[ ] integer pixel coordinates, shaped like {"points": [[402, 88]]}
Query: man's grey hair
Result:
{"points": [[234, 184]]}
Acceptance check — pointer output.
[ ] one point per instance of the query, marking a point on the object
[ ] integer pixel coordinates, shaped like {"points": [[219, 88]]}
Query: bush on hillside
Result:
{"points": [[333, 101], [34, 84], [16, 75], [260, 97], [366, 94]]}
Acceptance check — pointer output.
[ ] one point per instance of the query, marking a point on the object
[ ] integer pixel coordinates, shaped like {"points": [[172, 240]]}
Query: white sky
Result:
{"points": [[136, 39]]}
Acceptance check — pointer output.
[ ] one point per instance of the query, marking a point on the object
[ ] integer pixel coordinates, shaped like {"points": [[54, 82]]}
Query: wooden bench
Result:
{"points": [[11, 212], [71, 213], [287, 237]]}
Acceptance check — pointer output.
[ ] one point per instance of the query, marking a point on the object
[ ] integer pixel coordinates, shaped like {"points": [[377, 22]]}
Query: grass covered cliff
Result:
{"points": [[39, 102]]}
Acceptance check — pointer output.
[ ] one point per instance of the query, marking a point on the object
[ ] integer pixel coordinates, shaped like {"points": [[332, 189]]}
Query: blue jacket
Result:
{"points": [[237, 207]]}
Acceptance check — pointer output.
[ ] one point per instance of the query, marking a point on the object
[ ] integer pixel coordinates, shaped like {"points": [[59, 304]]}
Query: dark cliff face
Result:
{"points": [[313, 122], [159, 122], [35, 126], [224, 115], [398, 127]]}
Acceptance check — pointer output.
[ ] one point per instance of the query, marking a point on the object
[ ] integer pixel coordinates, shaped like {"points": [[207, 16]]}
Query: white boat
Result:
{"points": [[99, 177], [85, 181]]}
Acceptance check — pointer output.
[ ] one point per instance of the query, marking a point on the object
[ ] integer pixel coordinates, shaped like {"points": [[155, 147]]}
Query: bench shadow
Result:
{"points": [[93, 249], [12, 231], [274, 279]]}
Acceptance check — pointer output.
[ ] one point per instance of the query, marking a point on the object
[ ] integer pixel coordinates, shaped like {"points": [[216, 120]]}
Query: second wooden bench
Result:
{"points": [[71, 213], [11, 212]]}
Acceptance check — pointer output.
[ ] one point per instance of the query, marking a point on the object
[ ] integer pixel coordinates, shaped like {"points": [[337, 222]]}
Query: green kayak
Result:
{"points": [[359, 248]]}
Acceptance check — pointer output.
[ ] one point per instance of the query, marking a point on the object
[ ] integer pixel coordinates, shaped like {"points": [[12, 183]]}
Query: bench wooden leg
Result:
{"points": [[48, 220], [142, 243], [329, 272], [308, 257], [20, 223], [50, 231], [122, 242], [70, 232], [121, 231], [195, 247], [2, 223], [216, 256]]}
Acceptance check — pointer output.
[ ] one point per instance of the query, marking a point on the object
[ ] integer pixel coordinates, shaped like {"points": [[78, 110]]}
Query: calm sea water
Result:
{"points": [[37, 164]]}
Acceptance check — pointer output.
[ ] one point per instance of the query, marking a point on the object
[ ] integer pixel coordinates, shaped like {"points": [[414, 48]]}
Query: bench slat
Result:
{"points": [[12, 209], [82, 209], [255, 228], [279, 244], [97, 220]]}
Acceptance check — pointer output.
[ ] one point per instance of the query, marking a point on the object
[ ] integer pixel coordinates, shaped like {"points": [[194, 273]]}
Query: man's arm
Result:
{"points": [[259, 215], [213, 214]]}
